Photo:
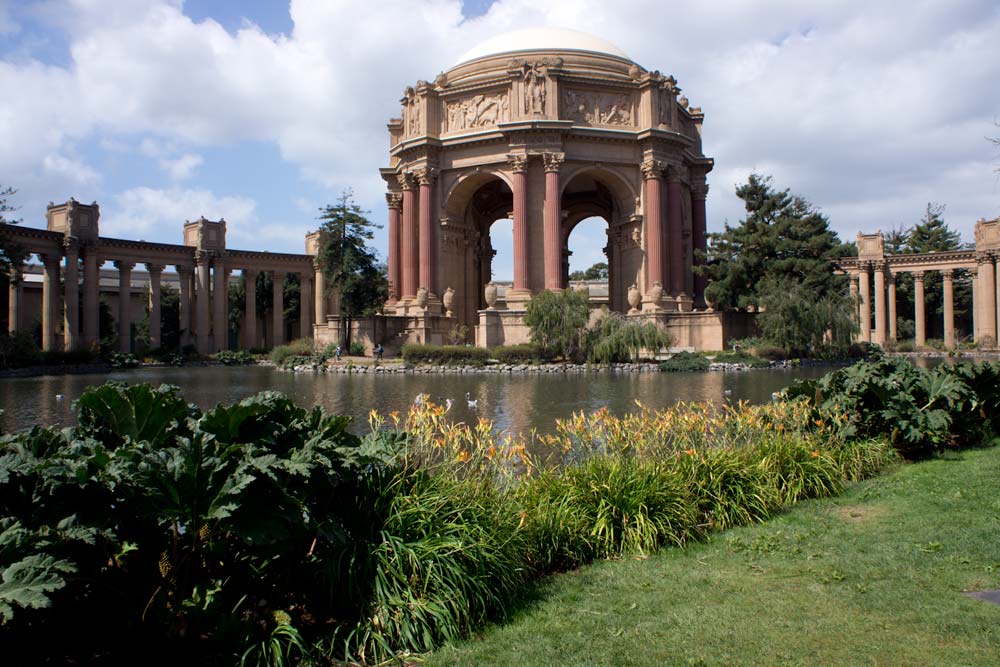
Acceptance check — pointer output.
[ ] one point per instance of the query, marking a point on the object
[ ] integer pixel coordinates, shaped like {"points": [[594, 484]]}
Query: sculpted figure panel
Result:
{"points": [[477, 111], [534, 88], [595, 108]]}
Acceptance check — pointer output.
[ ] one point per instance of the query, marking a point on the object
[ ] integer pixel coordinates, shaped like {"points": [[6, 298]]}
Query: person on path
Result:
{"points": [[337, 353], [378, 352]]}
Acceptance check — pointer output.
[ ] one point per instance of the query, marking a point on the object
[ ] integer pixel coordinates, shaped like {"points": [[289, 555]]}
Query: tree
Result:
{"points": [[10, 253], [558, 322], [783, 238], [351, 267], [795, 319], [598, 271]]}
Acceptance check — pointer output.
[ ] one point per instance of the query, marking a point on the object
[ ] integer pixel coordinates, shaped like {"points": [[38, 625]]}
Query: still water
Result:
{"points": [[515, 402]]}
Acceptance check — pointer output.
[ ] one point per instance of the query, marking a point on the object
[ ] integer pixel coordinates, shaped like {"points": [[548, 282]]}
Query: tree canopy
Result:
{"points": [[598, 271], [783, 238], [9, 252]]}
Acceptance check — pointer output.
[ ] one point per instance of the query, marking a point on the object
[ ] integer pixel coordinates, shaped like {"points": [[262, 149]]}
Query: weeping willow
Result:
{"points": [[613, 338]]}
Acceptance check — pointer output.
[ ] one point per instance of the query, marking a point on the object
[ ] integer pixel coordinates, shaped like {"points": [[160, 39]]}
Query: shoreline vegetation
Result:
{"points": [[266, 533]]}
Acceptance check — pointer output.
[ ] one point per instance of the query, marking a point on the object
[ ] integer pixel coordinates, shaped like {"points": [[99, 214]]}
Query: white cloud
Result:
{"points": [[866, 110], [159, 215]]}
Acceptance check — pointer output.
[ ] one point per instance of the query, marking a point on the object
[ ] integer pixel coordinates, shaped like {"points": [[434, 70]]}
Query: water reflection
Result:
{"points": [[515, 402]]}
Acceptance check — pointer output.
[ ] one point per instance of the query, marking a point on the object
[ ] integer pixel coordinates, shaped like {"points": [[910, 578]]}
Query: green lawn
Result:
{"points": [[873, 577]]}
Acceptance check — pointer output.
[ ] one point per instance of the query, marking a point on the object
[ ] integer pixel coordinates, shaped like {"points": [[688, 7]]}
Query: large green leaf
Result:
{"points": [[115, 413], [28, 582]]}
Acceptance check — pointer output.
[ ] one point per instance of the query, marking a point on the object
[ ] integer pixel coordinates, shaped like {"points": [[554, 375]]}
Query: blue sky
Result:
{"points": [[263, 111]]}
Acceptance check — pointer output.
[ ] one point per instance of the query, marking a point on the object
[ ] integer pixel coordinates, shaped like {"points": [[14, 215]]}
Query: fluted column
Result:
{"points": [[880, 328], [124, 304], [14, 298], [675, 245], [203, 289], [519, 167], [220, 306], [948, 277], [91, 297], [891, 287], [278, 306], [50, 300], [71, 298], [866, 305], [395, 202], [184, 316], [155, 328], [699, 233], [987, 301], [305, 312], [652, 171], [319, 283], [410, 250], [919, 318], [996, 302], [551, 240], [250, 308], [428, 271]]}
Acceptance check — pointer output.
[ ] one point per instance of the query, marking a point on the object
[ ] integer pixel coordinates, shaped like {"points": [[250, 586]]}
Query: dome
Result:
{"points": [[541, 39]]}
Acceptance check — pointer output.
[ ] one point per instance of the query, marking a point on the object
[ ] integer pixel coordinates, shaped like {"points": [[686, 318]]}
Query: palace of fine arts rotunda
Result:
{"points": [[546, 128]]}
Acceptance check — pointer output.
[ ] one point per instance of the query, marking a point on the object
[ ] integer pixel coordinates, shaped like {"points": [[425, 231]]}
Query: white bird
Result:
{"points": [[59, 397], [447, 404], [727, 392], [774, 395], [419, 400], [473, 403]]}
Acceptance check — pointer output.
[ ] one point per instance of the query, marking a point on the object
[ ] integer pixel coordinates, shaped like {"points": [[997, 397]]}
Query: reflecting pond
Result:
{"points": [[516, 402]]}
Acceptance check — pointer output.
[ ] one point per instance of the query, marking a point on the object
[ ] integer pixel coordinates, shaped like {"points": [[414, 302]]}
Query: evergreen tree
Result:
{"points": [[9, 251], [783, 238], [598, 271]]}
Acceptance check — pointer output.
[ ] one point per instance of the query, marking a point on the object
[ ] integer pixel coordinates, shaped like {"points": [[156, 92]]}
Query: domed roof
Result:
{"points": [[540, 39]]}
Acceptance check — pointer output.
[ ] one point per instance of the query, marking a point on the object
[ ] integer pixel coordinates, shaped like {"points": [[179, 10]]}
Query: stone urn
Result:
{"points": [[656, 294], [422, 297], [491, 295], [448, 299], [708, 303], [634, 298]]}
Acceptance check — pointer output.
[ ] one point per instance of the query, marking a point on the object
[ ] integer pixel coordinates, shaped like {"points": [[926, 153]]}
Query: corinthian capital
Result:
{"points": [[517, 162], [406, 180], [394, 200], [426, 175], [652, 169], [553, 161]]}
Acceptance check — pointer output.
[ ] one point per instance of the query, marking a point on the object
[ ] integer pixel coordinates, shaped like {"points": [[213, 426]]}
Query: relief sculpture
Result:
{"points": [[534, 88], [598, 108], [478, 111]]}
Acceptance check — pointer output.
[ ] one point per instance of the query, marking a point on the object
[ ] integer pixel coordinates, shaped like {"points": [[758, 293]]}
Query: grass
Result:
{"points": [[871, 577]]}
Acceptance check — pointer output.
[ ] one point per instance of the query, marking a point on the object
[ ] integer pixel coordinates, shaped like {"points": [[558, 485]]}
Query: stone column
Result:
{"points": [[91, 297], [124, 304], [410, 249], [699, 233], [203, 289], [986, 281], [220, 306], [185, 273], [891, 286], [519, 167], [250, 309], [880, 330], [428, 271], [652, 172], [319, 282], [949, 308], [278, 306], [675, 245], [866, 305], [395, 201], [155, 328], [71, 298], [50, 300], [14, 298], [305, 299], [996, 302], [551, 221], [919, 318]]}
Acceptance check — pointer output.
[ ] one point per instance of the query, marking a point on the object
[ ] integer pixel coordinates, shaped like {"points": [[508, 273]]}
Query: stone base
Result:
{"points": [[501, 327], [517, 299]]}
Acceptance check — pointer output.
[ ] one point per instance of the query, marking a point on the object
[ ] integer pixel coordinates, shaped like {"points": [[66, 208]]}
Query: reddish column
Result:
{"points": [[553, 249], [651, 171], [425, 177], [700, 237], [395, 201], [519, 165], [674, 241], [409, 249]]}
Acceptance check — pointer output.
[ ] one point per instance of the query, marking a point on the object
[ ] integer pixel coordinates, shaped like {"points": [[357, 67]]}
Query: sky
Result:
{"points": [[262, 111]]}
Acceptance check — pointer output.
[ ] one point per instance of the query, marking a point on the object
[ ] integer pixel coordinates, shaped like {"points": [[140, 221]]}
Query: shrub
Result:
{"points": [[445, 355], [558, 322], [613, 338], [525, 353], [740, 357], [303, 347], [123, 360], [18, 349], [684, 361], [356, 349], [234, 357]]}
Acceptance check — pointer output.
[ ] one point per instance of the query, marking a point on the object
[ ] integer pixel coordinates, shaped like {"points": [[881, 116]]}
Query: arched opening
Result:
{"points": [[598, 227]]}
